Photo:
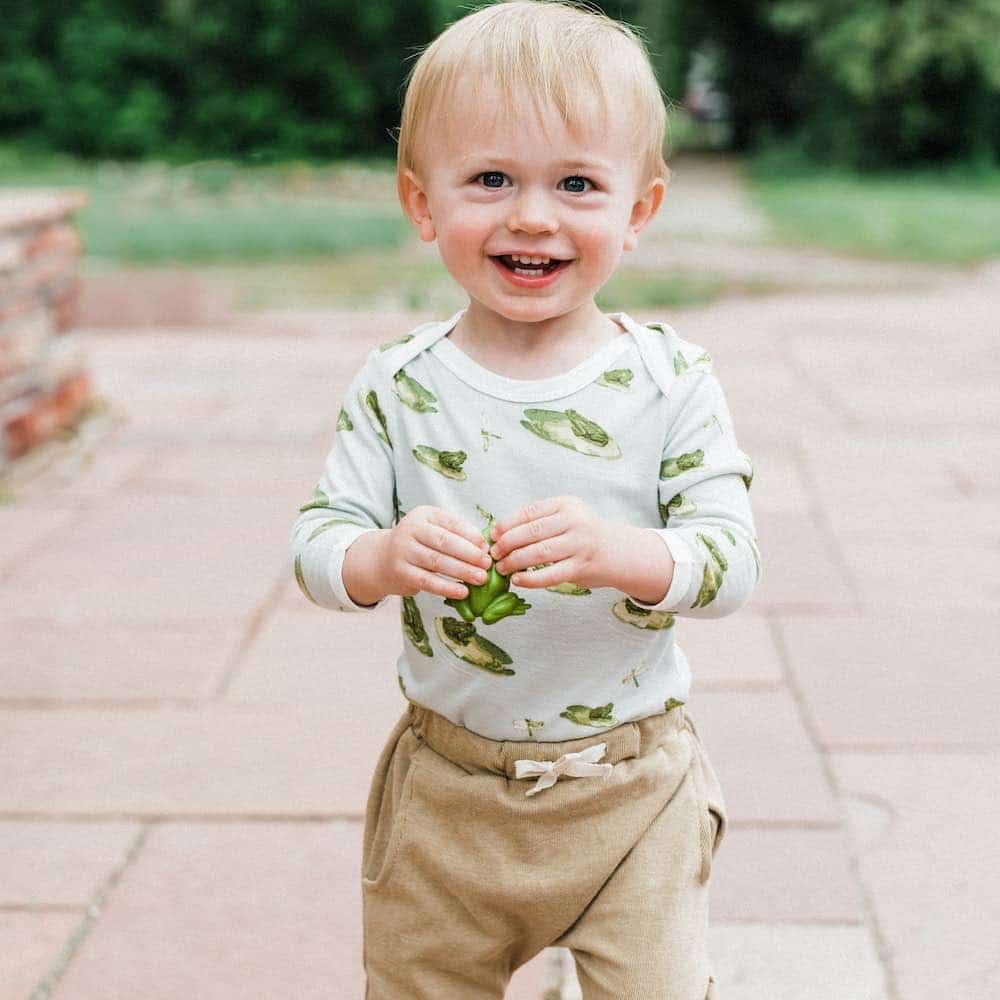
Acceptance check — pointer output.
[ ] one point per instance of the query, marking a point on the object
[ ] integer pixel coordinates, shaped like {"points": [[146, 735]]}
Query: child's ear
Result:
{"points": [[643, 211], [416, 206]]}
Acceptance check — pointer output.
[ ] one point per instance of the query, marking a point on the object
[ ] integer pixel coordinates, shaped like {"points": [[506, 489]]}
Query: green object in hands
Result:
{"points": [[491, 600]]}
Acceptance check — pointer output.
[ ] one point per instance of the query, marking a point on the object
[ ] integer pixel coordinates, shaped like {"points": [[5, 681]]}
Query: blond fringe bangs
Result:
{"points": [[543, 51]]}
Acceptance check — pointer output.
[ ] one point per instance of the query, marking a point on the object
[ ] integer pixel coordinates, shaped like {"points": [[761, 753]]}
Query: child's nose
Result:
{"points": [[532, 212]]}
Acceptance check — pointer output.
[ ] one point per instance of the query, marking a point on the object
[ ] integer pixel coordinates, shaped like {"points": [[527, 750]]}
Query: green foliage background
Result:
{"points": [[865, 83]]}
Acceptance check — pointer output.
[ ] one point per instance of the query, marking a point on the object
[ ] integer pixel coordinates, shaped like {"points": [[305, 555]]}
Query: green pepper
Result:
{"points": [[491, 599]]}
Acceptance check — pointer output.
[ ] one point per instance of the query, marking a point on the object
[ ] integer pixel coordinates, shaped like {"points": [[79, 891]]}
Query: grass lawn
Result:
{"points": [[951, 216], [151, 212]]}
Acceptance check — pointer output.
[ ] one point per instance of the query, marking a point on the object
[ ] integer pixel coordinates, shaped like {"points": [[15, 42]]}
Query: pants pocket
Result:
{"points": [[387, 808], [712, 814]]}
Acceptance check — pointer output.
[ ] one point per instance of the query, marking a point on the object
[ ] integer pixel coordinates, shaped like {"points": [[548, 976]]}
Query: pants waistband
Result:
{"points": [[473, 752]]}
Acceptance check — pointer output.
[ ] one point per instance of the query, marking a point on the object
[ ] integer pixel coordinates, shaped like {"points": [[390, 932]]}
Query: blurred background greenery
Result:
{"points": [[253, 130]]}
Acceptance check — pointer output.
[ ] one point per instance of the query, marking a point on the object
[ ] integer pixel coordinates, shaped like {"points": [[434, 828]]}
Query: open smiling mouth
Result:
{"points": [[529, 271]]}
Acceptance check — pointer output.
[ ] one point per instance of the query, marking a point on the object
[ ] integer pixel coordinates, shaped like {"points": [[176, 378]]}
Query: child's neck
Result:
{"points": [[533, 350]]}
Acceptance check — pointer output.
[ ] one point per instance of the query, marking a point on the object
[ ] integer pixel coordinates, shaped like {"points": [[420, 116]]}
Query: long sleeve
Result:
{"points": [[704, 487], [355, 493]]}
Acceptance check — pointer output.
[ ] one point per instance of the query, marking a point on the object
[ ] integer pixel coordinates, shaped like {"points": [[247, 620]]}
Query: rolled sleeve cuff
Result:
{"points": [[683, 568], [336, 578]]}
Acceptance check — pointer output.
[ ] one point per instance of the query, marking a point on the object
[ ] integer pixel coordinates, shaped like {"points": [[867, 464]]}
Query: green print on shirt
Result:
{"points": [[369, 403], [571, 429], [633, 674], [491, 600], [413, 626], [676, 505], [468, 645], [393, 343], [319, 501], [671, 467], [584, 715], [344, 421], [671, 703], [566, 587], [327, 525], [630, 613], [747, 480], [616, 378], [301, 580], [485, 431], [711, 579], [756, 555], [448, 463], [702, 363], [530, 724], [413, 394]]}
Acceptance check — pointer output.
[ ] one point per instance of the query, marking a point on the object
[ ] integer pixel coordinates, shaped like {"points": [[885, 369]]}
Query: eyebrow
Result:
{"points": [[562, 164]]}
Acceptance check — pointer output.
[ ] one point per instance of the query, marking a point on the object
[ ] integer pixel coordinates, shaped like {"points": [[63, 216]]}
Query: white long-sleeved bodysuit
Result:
{"points": [[640, 431]]}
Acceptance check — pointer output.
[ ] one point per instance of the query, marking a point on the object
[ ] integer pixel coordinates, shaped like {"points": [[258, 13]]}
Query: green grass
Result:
{"points": [[638, 289], [153, 212], [949, 216]]}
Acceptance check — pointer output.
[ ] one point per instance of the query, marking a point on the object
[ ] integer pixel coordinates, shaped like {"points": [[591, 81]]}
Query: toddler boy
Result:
{"points": [[504, 472]]}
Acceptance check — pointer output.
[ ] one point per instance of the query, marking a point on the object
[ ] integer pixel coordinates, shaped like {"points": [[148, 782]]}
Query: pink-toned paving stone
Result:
{"points": [[879, 475], [797, 962], [44, 863], [219, 910], [224, 469], [803, 569], [779, 485], [880, 684], [899, 571], [86, 472], [732, 653], [30, 943], [768, 767], [157, 558], [928, 865], [218, 760], [785, 874], [344, 660], [45, 661], [24, 530]]}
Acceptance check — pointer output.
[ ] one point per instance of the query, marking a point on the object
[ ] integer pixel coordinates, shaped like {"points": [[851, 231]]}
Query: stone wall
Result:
{"points": [[44, 385]]}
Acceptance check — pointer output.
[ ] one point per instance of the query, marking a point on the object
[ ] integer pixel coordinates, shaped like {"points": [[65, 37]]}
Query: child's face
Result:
{"points": [[503, 187]]}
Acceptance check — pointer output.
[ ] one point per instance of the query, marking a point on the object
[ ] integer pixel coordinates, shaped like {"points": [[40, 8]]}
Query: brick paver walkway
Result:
{"points": [[186, 743]]}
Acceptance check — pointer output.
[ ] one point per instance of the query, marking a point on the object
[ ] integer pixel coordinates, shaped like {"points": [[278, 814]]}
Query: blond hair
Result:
{"points": [[548, 50]]}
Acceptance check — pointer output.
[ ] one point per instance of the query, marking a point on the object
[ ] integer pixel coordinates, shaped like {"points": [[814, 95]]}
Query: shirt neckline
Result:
{"points": [[529, 390]]}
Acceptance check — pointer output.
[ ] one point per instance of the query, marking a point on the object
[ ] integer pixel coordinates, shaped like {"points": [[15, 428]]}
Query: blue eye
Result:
{"points": [[491, 173], [496, 187]]}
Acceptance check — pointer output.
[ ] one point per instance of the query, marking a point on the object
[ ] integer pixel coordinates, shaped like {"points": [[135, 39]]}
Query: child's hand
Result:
{"points": [[561, 530], [429, 541]]}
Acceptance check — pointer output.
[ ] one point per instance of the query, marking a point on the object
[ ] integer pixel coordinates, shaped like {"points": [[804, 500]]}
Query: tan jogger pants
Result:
{"points": [[466, 876]]}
